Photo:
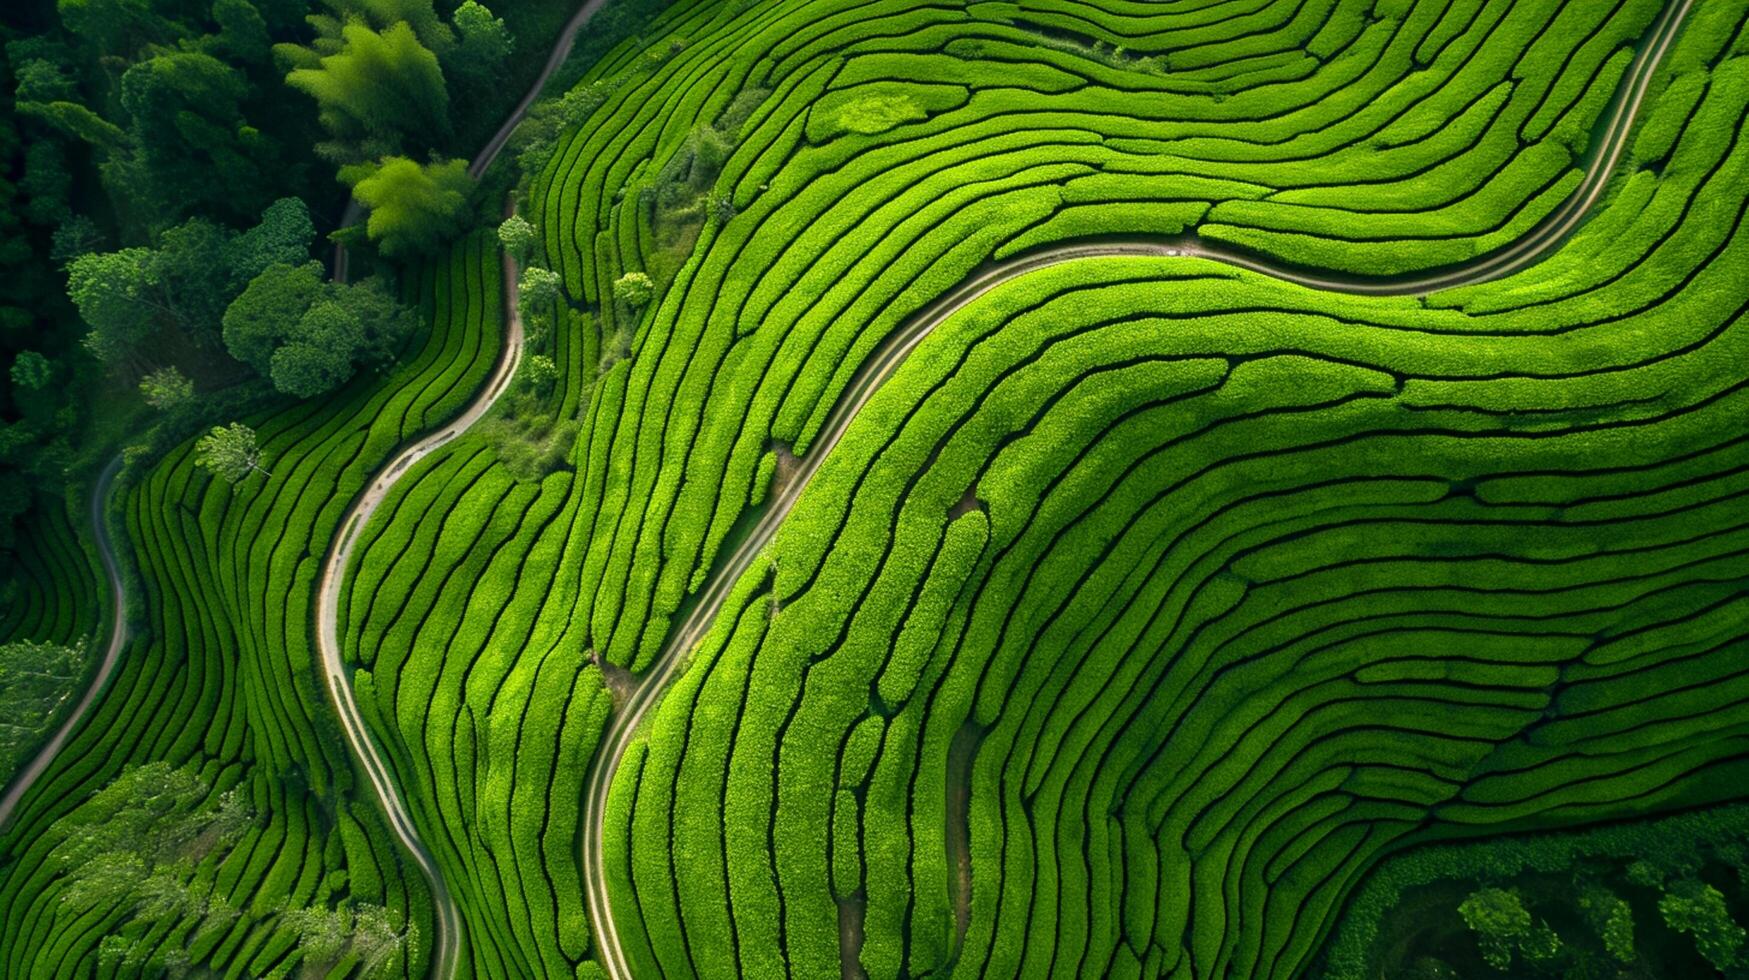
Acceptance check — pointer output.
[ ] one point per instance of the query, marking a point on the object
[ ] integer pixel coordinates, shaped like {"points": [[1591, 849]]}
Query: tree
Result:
{"points": [[634, 289], [229, 452], [518, 237], [188, 280], [317, 357], [76, 236], [36, 680], [1499, 920], [32, 371], [537, 286], [539, 373], [283, 235], [1611, 918], [383, 323], [243, 35], [307, 335], [477, 63], [190, 145], [258, 320], [113, 293], [1697, 908], [166, 389], [374, 87], [413, 208]]}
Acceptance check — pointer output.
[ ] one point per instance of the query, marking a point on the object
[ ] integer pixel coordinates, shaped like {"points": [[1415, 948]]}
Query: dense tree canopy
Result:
{"points": [[308, 335], [129, 296], [413, 208], [376, 88]]}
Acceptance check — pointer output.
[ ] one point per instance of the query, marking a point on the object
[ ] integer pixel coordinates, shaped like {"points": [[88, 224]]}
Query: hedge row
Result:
{"points": [[1235, 587], [223, 677]]}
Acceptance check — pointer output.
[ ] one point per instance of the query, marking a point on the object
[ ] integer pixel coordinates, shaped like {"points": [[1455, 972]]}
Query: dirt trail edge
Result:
{"points": [[338, 678], [447, 951], [1547, 235], [118, 638]]}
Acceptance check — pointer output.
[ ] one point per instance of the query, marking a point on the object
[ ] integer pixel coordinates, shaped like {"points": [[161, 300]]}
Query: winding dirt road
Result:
{"points": [[339, 680], [448, 945], [1539, 242], [118, 638]]}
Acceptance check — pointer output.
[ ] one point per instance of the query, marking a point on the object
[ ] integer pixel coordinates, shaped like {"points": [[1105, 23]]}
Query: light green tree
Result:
{"points": [[634, 289], [229, 452], [1698, 909], [1499, 920], [413, 208], [517, 236], [166, 389], [376, 84], [538, 286], [113, 292]]}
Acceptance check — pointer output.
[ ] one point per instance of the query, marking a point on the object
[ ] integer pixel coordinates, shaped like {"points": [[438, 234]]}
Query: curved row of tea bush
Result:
{"points": [[1180, 596], [51, 589], [800, 179], [222, 680]]}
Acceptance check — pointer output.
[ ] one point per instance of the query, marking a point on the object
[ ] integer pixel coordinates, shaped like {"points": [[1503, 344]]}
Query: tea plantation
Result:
{"points": [[1007, 489]]}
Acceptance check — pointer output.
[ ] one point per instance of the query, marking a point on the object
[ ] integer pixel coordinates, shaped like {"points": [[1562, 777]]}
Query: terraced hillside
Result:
{"points": [[1089, 480], [223, 683], [1292, 485]]}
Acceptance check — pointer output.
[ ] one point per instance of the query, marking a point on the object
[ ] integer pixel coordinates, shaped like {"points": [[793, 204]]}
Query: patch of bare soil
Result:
{"points": [[851, 910], [620, 681], [967, 504], [787, 465], [959, 824]]}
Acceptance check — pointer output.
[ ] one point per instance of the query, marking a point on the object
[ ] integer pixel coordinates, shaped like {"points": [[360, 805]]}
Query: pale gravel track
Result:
{"points": [[118, 638], [358, 737], [335, 672], [1539, 242]]}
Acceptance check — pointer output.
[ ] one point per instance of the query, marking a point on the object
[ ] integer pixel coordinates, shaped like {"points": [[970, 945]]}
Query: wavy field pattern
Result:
{"points": [[1150, 602], [226, 650]]}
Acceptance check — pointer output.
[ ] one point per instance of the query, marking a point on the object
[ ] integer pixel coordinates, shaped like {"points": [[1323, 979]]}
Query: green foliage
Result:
{"points": [[518, 237], [243, 34], [375, 89], [364, 933], [192, 147], [167, 389], [1698, 909], [184, 284], [414, 209], [37, 683], [634, 289], [316, 353], [308, 335], [31, 371], [537, 137], [259, 319], [1612, 919], [1499, 920], [229, 452], [282, 236], [539, 373], [538, 287], [479, 62], [134, 848], [114, 294]]}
